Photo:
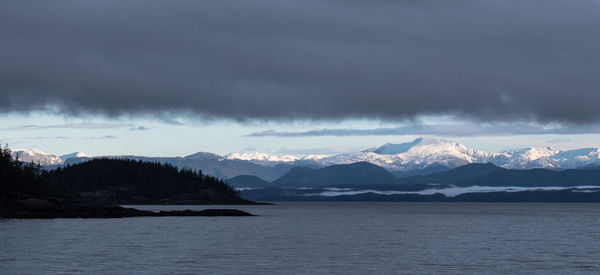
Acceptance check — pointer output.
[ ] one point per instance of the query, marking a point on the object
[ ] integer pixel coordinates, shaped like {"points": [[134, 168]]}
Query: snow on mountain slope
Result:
{"points": [[314, 157], [577, 158], [548, 157], [393, 149], [36, 156], [529, 158], [421, 153], [425, 152], [417, 154], [261, 157], [77, 154]]}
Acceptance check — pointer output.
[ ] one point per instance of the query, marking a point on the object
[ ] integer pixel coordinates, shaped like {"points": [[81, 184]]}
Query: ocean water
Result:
{"points": [[316, 238]]}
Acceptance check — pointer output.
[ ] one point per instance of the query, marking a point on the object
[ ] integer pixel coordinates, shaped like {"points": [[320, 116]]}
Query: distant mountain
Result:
{"points": [[421, 156], [537, 177], [394, 149], [204, 156], [47, 159], [73, 155], [218, 166], [261, 158], [272, 160], [594, 166], [454, 176], [36, 156], [491, 175], [355, 173], [364, 174], [434, 168], [472, 182], [528, 158], [246, 181], [210, 164], [418, 154], [426, 155]]}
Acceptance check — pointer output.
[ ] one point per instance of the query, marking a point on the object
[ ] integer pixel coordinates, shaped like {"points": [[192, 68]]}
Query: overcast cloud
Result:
{"points": [[447, 130], [79, 125], [503, 60]]}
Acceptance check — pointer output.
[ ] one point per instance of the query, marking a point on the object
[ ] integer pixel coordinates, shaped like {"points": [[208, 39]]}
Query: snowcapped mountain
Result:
{"points": [[578, 158], [551, 158], [528, 158], [261, 158], [418, 154], [393, 149], [314, 157], [46, 159], [273, 160], [37, 156], [424, 153], [77, 154]]}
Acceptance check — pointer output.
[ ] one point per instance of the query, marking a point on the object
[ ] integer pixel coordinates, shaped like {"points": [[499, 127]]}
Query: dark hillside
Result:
{"points": [[21, 180], [346, 174], [246, 181], [94, 189], [131, 181]]}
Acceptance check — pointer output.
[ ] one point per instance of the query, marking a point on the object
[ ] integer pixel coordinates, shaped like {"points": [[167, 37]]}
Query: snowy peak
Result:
{"points": [[36, 156], [417, 154], [528, 158], [314, 157], [577, 158], [392, 149], [584, 153], [77, 154], [416, 146], [261, 157], [533, 153]]}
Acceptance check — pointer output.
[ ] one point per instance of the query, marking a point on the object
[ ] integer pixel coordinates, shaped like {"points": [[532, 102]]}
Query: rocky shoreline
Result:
{"points": [[52, 209]]}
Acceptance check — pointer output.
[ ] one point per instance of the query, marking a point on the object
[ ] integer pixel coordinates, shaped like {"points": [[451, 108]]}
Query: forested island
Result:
{"points": [[95, 189]]}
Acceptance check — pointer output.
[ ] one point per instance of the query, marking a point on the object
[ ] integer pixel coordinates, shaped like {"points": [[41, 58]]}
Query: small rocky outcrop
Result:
{"points": [[48, 209]]}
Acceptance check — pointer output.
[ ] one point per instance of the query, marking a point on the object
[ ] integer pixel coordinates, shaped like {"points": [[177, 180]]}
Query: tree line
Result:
{"points": [[113, 179]]}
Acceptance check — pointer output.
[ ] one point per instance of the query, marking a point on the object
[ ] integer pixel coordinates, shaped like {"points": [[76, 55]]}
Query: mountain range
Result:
{"points": [[418, 157], [472, 182]]}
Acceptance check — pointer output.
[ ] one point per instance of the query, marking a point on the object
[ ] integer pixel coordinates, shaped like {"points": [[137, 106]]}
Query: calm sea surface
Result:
{"points": [[308, 238]]}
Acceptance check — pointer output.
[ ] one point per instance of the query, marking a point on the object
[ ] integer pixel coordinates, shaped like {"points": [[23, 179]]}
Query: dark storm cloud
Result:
{"points": [[486, 60], [448, 130]]}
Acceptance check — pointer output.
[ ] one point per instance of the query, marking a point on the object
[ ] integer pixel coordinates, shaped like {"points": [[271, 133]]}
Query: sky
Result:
{"points": [[170, 78]]}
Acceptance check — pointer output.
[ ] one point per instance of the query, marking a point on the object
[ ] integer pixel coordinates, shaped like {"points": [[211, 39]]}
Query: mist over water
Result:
{"points": [[308, 238], [452, 191]]}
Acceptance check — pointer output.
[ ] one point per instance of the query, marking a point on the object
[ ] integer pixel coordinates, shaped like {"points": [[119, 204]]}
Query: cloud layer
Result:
{"points": [[448, 130], [328, 59], [78, 125]]}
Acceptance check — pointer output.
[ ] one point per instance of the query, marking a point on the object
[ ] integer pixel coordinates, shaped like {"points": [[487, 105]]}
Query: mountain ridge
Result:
{"points": [[355, 173], [420, 156]]}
